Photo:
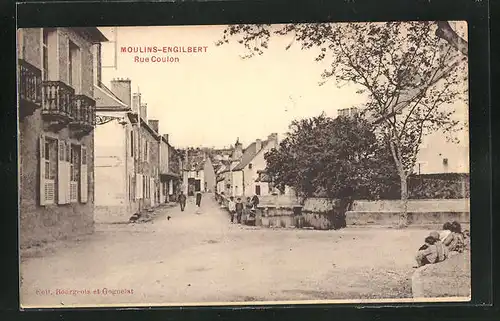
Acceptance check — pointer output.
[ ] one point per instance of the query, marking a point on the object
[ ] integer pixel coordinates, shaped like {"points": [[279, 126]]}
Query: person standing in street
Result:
{"points": [[182, 200], [232, 208], [255, 201], [198, 202], [239, 210]]}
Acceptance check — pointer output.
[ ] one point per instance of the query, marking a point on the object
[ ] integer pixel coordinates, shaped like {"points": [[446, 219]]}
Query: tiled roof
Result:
{"points": [[249, 154], [105, 99], [263, 177]]}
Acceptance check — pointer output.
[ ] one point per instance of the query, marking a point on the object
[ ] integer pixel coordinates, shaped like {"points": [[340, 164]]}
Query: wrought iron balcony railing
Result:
{"points": [[30, 88], [58, 101], [84, 115]]}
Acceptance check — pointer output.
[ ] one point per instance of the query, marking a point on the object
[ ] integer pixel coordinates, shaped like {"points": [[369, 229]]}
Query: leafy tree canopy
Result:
{"points": [[337, 158]]}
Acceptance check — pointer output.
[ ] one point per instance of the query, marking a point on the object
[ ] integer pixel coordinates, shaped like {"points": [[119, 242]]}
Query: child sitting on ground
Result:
{"points": [[455, 242], [433, 251]]}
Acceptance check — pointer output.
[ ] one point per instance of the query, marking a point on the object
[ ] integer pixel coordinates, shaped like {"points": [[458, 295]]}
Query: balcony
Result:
{"points": [[58, 104], [30, 89], [83, 116]]}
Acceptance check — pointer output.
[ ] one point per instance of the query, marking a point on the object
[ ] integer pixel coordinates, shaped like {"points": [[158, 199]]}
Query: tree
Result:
{"points": [[403, 68], [337, 158]]}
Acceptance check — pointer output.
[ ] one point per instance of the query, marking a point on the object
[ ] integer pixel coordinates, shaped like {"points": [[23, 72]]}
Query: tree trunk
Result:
{"points": [[403, 217]]}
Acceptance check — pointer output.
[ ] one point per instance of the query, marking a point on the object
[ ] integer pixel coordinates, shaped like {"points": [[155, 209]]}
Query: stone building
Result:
{"points": [[147, 161], [56, 141], [169, 170]]}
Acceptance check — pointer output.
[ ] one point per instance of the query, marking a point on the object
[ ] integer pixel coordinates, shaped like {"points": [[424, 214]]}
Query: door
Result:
{"points": [[197, 186], [191, 186]]}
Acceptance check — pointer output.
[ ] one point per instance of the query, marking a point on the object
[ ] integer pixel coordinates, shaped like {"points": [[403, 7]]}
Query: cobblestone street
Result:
{"points": [[204, 258]]}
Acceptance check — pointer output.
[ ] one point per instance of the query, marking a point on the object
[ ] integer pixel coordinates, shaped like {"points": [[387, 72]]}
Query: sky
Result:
{"points": [[212, 98]]}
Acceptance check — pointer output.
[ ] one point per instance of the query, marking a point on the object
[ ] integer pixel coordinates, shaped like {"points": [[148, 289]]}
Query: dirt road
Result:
{"points": [[203, 258]]}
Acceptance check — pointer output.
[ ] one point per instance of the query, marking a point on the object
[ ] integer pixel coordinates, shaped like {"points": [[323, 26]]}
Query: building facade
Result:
{"points": [[170, 176], [198, 172], [56, 142], [114, 153], [148, 172], [246, 172]]}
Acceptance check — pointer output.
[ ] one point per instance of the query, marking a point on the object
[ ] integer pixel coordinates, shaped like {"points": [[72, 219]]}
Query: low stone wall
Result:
{"points": [[414, 218], [427, 205], [321, 213], [450, 278]]}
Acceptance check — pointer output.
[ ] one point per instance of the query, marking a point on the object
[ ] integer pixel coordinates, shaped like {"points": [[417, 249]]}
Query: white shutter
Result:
{"points": [[61, 172], [83, 175], [67, 176], [41, 156], [138, 187], [152, 186]]}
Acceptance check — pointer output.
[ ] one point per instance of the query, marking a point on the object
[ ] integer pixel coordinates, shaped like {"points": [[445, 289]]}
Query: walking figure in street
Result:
{"points": [[239, 210], [182, 201], [198, 202], [232, 208]]}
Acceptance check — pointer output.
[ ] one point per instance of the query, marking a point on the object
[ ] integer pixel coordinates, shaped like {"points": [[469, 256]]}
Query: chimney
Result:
{"points": [[144, 111], [273, 140], [238, 150], [154, 124], [258, 145], [136, 102], [122, 89], [165, 137]]}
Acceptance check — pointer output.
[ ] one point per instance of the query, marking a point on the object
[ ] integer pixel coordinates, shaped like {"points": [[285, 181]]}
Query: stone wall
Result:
{"points": [[323, 214]]}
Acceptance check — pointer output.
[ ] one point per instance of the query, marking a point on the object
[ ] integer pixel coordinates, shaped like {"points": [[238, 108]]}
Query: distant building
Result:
{"points": [[348, 112], [198, 172], [438, 156], [170, 173], [244, 177]]}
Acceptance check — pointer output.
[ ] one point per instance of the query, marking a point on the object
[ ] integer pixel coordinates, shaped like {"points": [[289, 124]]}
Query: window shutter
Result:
{"points": [[61, 172], [67, 176], [83, 175], [41, 171], [138, 185]]}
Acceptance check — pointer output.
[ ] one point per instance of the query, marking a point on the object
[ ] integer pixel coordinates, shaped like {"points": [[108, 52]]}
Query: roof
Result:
{"points": [[249, 154], [149, 129], [93, 33], [106, 100], [263, 177]]}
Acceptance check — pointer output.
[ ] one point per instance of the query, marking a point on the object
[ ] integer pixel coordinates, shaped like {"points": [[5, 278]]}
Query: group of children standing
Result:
{"points": [[238, 209], [441, 245]]}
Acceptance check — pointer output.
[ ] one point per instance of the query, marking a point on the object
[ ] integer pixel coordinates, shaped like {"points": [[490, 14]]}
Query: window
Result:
{"points": [[48, 159], [83, 174], [250, 166], [98, 58], [74, 70], [74, 173], [45, 52], [445, 161], [257, 190]]}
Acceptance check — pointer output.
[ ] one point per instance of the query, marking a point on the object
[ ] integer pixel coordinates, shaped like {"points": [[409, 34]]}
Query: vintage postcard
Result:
{"points": [[244, 164]]}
